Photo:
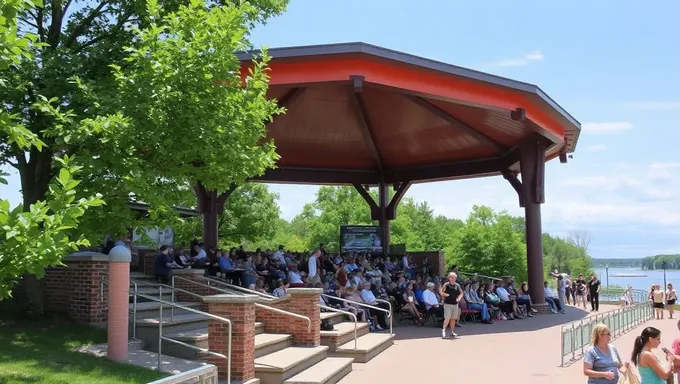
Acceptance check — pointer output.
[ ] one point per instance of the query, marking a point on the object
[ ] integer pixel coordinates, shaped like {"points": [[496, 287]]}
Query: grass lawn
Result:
{"points": [[41, 352]]}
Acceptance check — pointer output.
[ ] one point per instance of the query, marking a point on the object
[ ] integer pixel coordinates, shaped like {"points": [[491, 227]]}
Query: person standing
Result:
{"points": [[452, 294], [650, 368], [314, 275], [602, 362], [594, 290], [658, 298], [671, 297]]}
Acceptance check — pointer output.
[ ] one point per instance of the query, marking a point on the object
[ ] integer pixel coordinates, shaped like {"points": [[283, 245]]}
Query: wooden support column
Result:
{"points": [[210, 205], [385, 210], [531, 192]]}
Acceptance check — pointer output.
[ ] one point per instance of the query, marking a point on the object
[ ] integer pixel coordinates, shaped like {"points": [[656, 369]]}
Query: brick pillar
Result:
{"points": [[241, 311], [305, 301], [85, 271], [147, 261]]}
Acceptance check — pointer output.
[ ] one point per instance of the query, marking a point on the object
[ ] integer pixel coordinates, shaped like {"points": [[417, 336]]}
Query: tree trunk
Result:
{"points": [[35, 174]]}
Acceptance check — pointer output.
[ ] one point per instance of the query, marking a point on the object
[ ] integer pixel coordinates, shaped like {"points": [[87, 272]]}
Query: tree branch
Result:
{"points": [[124, 19], [39, 22], [54, 32], [85, 24]]}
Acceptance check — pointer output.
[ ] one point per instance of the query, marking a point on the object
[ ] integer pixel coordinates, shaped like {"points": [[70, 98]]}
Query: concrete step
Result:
{"points": [[280, 366], [147, 309], [333, 317], [153, 292], [342, 334], [147, 330], [329, 371], [368, 347], [198, 338], [266, 343]]}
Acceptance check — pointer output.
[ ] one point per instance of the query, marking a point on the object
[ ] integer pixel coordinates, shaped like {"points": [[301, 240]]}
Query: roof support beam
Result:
{"points": [[322, 176], [361, 113], [484, 139]]}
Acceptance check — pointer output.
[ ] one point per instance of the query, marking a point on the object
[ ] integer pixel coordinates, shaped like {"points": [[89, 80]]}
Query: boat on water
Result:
{"points": [[628, 275]]}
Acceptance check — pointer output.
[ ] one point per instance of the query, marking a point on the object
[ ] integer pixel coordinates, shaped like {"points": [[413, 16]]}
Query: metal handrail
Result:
{"points": [[203, 374], [236, 287], [172, 310], [389, 313], [160, 324], [477, 274], [348, 314], [204, 350], [281, 311]]}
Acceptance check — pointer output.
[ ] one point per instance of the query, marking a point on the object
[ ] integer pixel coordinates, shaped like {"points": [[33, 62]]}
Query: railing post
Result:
{"points": [[573, 343], [160, 329], [562, 347], [134, 312], [583, 337]]}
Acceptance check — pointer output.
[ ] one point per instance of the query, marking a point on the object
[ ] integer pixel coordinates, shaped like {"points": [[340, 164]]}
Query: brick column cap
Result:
{"points": [[226, 298], [187, 271], [305, 291], [86, 256]]}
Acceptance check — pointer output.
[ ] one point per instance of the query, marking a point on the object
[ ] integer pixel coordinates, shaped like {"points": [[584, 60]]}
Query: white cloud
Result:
{"points": [[607, 128], [596, 148], [531, 57], [654, 105]]}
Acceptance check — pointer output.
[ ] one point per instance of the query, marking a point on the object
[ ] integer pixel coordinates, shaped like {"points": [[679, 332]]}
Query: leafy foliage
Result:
{"points": [[657, 262], [251, 215], [34, 239]]}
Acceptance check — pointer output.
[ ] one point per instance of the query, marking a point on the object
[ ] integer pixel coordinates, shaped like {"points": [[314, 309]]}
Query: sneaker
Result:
{"points": [[530, 315], [533, 310], [372, 329], [444, 334], [378, 328], [454, 335]]}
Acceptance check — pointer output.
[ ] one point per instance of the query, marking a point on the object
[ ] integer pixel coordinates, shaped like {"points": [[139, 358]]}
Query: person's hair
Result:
{"points": [[641, 341], [678, 324], [598, 331], [163, 248]]}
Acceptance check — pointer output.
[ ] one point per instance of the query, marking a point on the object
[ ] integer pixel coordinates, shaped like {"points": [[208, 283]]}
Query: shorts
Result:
{"points": [[670, 302], [659, 305], [451, 311], [312, 280]]}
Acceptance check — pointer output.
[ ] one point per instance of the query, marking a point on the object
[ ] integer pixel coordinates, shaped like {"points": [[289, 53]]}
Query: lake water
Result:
{"points": [[653, 277]]}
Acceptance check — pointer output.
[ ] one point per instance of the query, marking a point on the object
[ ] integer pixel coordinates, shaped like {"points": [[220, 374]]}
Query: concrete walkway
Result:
{"points": [[521, 351]]}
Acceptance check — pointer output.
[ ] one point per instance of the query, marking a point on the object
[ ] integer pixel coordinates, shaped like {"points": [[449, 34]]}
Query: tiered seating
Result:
{"points": [[277, 360]]}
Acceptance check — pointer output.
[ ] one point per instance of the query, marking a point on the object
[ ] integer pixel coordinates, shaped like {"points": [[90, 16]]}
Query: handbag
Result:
{"points": [[629, 377]]}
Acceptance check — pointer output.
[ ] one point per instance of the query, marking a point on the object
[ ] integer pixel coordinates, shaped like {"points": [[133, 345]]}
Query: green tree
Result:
{"points": [[251, 216], [488, 244]]}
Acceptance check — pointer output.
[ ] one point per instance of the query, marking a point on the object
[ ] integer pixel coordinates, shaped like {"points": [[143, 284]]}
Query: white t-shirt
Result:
{"points": [[504, 295], [278, 256], [312, 266], [547, 292]]}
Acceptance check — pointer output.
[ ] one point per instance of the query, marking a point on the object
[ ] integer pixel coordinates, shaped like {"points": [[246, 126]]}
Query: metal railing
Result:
{"points": [[202, 375], [348, 314], [265, 296], [160, 324], [204, 350], [281, 311], [575, 336], [478, 275], [389, 312], [615, 295]]}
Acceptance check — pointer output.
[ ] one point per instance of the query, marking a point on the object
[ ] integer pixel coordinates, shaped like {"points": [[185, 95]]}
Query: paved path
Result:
{"points": [[521, 351]]}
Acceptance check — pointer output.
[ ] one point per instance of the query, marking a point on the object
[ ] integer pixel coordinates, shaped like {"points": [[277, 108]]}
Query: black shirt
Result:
{"points": [[593, 285], [453, 292]]}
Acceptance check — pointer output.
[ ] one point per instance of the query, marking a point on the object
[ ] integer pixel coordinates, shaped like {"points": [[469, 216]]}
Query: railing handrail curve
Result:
{"points": [[283, 312], [389, 312], [348, 314], [242, 289]]}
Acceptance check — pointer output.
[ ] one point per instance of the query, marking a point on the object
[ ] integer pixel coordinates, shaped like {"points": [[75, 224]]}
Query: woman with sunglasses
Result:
{"points": [[602, 362]]}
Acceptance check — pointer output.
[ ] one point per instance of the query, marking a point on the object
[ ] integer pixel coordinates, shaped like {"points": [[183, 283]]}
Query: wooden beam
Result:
{"points": [[361, 113]]}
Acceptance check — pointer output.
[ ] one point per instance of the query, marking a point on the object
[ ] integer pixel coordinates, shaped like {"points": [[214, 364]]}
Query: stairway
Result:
{"points": [[277, 360]]}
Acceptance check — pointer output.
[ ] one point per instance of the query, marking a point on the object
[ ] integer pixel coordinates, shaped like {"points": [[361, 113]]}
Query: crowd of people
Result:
{"points": [[413, 289]]}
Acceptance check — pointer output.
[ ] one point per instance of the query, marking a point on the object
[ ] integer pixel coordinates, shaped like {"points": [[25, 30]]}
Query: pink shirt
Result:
{"points": [[676, 352]]}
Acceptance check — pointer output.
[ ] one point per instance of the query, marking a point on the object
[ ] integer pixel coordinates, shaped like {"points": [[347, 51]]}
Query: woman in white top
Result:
{"points": [[671, 296]]}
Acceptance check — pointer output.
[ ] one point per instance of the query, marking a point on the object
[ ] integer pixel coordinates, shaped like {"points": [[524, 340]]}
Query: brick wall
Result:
{"points": [[241, 311], [301, 301], [147, 259], [195, 277], [74, 290]]}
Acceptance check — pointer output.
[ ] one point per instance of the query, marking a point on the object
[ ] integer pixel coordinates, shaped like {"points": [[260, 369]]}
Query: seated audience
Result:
{"points": [[294, 276], [411, 303], [164, 264], [521, 301], [378, 316], [550, 299], [474, 302]]}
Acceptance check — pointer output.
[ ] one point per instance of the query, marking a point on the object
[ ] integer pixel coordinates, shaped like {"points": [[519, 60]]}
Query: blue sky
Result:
{"points": [[611, 64]]}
